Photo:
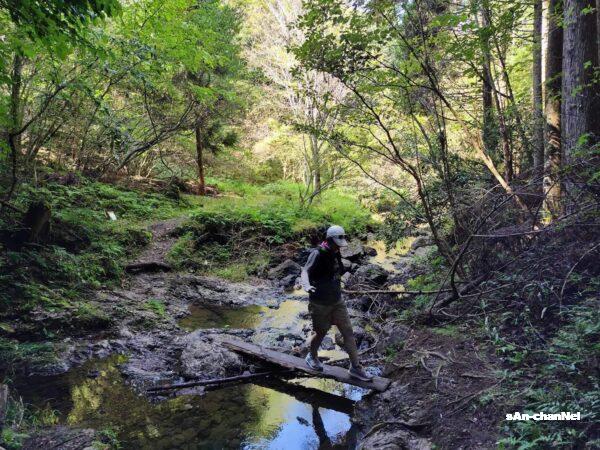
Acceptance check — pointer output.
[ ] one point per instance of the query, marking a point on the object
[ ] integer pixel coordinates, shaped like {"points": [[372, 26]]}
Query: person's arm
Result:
{"points": [[305, 275]]}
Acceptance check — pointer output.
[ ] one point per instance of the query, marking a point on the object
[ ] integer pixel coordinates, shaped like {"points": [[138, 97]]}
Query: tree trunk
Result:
{"points": [[14, 134], [538, 118], [489, 130], [316, 163], [579, 93], [200, 160], [552, 127], [507, 151], [580, 105], [16, 110], [3, 404]]}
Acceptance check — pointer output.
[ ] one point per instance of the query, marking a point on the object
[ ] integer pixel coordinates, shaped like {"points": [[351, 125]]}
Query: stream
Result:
{"points": [[306, 413]]}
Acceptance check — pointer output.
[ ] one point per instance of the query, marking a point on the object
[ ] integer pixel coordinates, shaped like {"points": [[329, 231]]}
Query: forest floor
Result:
{"points": [[439, 376]]}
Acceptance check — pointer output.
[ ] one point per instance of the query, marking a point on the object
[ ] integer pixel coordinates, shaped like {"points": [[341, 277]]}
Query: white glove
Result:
{"points": [[310, 289]]}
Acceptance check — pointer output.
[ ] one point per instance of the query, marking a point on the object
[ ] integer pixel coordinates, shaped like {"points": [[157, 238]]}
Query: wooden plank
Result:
{"points": [[293, 362], [219, 381]]}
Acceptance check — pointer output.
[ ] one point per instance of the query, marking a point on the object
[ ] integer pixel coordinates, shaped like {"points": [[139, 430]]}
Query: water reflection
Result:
{"points": [[210, 316], [244, 416]]}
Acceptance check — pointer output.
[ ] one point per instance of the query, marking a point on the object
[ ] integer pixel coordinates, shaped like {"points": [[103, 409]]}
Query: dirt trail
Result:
{"points": [[162, 241]]}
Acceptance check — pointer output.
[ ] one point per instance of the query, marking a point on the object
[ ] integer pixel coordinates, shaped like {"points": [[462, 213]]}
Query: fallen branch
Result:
{"points": [[383, 291], [219, 381]]}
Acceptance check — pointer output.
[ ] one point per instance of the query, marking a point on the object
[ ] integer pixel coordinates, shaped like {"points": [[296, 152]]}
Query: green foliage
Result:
{"points": [[13, 353], [45, 19], [109, 440], [12, 440], [233, 235], [157, 306], [448, 330], [279, 201], [566, 382], [85, 249]]}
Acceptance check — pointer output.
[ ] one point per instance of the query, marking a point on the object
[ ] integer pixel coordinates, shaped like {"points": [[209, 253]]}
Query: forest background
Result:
{"points": [[477, 119]]}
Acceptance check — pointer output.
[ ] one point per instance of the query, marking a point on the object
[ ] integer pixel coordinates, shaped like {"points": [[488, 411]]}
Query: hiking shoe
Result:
{"points": [[313, 363], [359, 372]]}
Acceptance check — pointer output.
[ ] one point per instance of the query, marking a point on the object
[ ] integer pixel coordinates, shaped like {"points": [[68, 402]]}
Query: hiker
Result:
{"points": [[321, 279]]}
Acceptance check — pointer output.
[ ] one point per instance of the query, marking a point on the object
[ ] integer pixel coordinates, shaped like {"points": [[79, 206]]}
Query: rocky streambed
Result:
{"points": [[168, 329]]}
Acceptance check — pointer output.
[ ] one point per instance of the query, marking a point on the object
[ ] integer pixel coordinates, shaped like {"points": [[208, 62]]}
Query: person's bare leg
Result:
{"points": [[314, 342]]}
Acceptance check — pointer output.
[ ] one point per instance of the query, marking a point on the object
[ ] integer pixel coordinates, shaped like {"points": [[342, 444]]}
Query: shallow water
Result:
{"points": [[309, 413], [388, 258], [223, 317], [239, 417]]}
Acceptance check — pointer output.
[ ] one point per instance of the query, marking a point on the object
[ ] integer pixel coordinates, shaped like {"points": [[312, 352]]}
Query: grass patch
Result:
{"points": [[564, 380], [233, 236], [157, 306], [84, 249], [334, 206], [14, 353], [448, 330]]}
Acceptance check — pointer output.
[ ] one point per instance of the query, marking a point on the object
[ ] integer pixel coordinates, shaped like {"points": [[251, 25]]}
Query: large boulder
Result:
{"points": [[285, 269], [422, 241], [347, 264], [205, 357], [289, 282], [353, 252], [370, 251], [370, 275]]}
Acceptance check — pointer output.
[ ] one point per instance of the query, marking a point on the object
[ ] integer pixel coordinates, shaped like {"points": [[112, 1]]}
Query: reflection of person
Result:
{"points": [[321, 279], [324, 442]]}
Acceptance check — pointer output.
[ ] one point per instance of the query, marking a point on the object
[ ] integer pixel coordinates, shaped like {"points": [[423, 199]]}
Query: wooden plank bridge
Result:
{"points": [[299, 364]]}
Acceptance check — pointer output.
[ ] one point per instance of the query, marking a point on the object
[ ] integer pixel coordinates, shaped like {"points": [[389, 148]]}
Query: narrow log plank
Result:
{"points": [[293, 362], [219, 381]]}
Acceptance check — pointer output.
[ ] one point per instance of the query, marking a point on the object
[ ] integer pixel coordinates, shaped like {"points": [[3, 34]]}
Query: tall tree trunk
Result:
{"points": [[598, 31], [489, 83], [489, 136], [538, 118], [489, 130], [507, 151], [552, 128], [14, 134], [580, 98], [16, 110], [200, 160], [580, 57], [316, 164]]}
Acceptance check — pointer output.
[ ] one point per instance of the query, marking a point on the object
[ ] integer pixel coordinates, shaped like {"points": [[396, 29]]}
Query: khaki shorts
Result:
{"points": [[324, 316]]}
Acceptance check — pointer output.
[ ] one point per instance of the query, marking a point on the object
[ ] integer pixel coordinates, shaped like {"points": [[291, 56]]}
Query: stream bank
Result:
{"points": [[167, 327]]}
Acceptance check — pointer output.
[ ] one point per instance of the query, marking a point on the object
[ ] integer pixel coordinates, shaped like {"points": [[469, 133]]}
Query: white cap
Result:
{"points": [[338, 235]]}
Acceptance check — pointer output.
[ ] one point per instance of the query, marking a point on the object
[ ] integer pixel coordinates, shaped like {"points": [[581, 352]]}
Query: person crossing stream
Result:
{"points": [[321, 278]]}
